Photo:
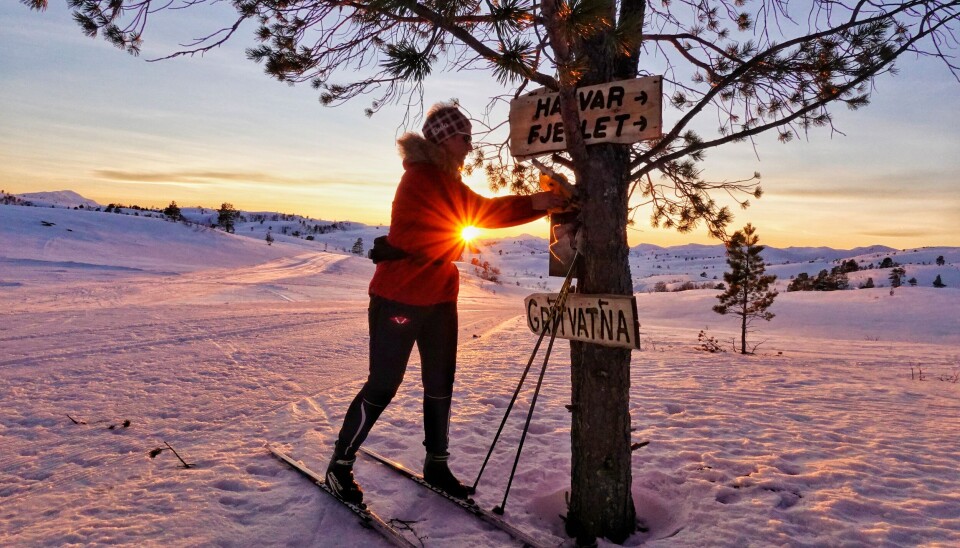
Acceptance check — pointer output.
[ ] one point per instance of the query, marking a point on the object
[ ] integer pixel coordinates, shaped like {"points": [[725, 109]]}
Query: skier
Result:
{"points": [[413, 293]]}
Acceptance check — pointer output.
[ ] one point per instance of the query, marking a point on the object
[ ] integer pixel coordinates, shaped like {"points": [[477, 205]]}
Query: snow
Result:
{"points": [[219, 344]]}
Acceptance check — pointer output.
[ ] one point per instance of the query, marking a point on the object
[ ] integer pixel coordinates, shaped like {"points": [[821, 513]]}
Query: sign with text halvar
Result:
{"points": [[609, 320], [617, 112]]}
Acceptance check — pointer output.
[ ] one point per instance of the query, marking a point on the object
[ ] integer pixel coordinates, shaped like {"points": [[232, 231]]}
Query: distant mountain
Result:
{"points": [[59, 198]]}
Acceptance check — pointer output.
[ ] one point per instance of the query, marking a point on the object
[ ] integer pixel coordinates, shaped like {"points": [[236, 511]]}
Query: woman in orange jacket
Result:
{"points": [[413, 297]]}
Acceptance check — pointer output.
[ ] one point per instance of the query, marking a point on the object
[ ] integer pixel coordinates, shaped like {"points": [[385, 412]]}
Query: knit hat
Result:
{"points": [[445, 122]]}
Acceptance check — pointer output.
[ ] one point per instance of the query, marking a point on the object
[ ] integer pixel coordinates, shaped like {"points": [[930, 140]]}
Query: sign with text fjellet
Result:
{"points": [[608, 320], [623, 112]]}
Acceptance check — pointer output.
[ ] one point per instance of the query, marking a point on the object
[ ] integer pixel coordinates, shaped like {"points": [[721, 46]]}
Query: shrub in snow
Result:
{"points": [[485, 270], [708, 343]]}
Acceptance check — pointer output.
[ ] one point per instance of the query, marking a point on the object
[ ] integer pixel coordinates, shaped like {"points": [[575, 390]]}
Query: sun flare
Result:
{"points": [[469, 233]]}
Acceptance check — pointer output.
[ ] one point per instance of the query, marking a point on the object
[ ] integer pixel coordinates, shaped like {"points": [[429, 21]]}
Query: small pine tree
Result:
{"points": [[938, 282], [358, 247], [173, 211], [269, 238], [896, 276], [940, 261], [748, 295], [227, 217]]}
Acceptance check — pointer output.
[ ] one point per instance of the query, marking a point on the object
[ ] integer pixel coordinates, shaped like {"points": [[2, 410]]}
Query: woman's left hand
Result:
{"points": [[543, 201]]}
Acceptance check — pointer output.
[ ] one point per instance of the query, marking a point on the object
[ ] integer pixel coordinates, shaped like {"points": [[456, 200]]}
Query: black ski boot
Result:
{"points": [[340, 480], [438, 474]]}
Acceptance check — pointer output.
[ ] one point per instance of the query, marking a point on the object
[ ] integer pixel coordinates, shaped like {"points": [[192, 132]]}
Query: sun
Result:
{"points": [[469, 233]]}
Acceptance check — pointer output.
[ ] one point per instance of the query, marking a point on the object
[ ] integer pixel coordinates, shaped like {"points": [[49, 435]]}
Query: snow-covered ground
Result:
{"points": [[218, 344]]}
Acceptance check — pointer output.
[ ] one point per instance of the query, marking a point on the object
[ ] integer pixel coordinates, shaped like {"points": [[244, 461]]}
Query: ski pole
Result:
{"points": [[554, 310], [513, 400], [526, 426]]}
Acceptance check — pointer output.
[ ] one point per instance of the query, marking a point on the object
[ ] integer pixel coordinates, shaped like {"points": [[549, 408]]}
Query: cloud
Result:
{"points": [[175, 177], [868, 192], [901, 233]]}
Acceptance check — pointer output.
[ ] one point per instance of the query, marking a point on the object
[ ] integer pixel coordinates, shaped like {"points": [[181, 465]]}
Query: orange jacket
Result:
{"points": [[430, 209]]}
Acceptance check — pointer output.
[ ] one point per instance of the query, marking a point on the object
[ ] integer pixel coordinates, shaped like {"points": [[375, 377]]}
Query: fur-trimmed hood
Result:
{"points": [[415, 149]]}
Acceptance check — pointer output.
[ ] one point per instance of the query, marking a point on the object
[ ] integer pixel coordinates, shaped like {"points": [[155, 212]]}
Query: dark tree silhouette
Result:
{"points": [[896, 276], [227, 217], [173, 211]]}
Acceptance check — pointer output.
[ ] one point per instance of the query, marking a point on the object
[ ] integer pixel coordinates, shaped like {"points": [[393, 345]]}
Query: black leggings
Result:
{"points": [[394, 327]]}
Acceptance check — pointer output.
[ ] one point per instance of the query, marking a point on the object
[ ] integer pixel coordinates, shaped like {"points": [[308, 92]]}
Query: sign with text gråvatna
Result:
{"points": [[609, 320], [623, 112]]}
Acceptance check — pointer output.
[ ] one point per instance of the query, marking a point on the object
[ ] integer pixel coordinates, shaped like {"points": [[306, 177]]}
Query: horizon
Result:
{"points": [[487, 238], [485, 234], [215, 129]]}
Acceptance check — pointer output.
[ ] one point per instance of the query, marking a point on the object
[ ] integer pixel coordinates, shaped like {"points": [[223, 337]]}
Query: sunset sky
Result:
{"points": [[78, 114]]}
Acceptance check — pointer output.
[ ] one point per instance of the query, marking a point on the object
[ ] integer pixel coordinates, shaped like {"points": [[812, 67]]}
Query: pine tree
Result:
{"points": [[226, 217], [173, 211], [269, 238], [748, 294], [358, 247], [896, 276], [940, 261], [938, 282]]}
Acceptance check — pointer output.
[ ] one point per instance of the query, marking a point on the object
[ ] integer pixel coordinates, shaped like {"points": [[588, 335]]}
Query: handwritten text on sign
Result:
{"points": [[623, 112], [609, 320]]}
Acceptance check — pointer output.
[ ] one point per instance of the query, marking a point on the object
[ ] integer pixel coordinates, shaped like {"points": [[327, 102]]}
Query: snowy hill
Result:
{"points": [[94, 238], [60, 198], [125, 332]]}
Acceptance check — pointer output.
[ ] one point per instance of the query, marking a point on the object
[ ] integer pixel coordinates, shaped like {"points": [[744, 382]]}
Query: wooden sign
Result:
{"points": [[624, 112], [609, 320]]}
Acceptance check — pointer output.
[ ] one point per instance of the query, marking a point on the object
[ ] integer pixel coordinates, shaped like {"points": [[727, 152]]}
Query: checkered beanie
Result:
{"points": [[444, 124]]}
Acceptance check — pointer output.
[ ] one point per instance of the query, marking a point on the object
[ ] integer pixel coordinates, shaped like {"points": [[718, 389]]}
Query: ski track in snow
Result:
{"points": [[820, 439]]}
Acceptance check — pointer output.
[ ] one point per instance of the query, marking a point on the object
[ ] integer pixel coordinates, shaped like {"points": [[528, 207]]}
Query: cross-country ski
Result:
{"points": [[367, 516], [469, 505]]}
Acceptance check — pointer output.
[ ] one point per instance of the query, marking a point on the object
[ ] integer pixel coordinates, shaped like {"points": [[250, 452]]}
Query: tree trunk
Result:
{"points": [[601, 504], [744, 309]]}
